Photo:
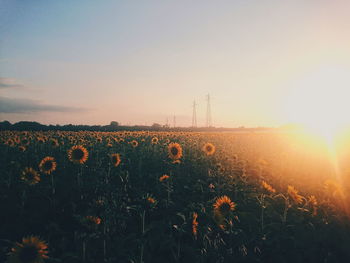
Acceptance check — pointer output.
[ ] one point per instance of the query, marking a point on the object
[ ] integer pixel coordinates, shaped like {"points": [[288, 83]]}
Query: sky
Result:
{"points": [[142, 62]]}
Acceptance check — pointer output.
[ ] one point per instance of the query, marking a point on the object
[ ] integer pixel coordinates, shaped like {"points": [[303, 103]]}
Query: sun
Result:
{"points": [[320, 101]]}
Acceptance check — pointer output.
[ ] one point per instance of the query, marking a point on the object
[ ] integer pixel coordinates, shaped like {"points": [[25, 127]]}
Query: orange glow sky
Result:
{"points": [[264, 63]]}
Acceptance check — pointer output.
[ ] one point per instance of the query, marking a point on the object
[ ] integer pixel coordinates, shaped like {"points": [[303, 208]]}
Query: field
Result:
{"points": [[172, 197]]}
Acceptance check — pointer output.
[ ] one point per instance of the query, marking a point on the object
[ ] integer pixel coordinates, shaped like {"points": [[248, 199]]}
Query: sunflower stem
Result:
{"points": [[168, 193], [84, 250], [104, 243], [286, 207], [108, 174], [80, 172], [262, 212], [52, 185], [178, 249], [143, 232]]}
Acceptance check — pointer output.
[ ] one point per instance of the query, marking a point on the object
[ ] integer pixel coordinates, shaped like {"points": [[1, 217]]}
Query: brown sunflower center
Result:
{"points": [[28, 254], [78, 154], [48, 165], [174, 151], [209, 148], [225, 208], [30, 176]]}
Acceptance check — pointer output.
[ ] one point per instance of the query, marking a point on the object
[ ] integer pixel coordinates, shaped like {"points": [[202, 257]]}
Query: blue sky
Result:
{"points": [[141, 62]]}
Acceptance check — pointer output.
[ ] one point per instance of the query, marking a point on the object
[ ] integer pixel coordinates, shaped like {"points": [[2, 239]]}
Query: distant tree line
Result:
{"points": [[113, 126]]}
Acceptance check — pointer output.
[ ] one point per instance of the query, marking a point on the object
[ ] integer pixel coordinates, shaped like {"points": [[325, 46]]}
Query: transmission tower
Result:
{"points": [[194, 115], [174, 121], [208, 120]]}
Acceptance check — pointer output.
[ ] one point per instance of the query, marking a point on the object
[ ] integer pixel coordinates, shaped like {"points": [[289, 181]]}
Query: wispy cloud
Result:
{"points": [[12, 105], [9, 83]]}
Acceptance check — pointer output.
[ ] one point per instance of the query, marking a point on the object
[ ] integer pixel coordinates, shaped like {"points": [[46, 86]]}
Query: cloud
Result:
{"points": [[9, 83], [10, 105]]}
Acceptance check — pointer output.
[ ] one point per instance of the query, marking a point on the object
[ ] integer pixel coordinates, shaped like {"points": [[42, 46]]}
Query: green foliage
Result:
{"points": [[96, 212]]}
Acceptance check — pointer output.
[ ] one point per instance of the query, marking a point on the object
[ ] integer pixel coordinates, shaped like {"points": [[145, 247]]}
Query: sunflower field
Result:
{"points": [[171, 197]]}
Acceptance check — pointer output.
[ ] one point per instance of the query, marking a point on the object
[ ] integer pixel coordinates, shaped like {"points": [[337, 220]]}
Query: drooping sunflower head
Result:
{"points": [[333, 188], [268, 187], [47, 165], [175, 151], [30, 176], [115, 158], [194, 224], [223, 205], [154, 140], [164, 178], [31, 250], [22, 148], [293, 194], [91, 222], [78, 154], [208, 148], [150, 202]]}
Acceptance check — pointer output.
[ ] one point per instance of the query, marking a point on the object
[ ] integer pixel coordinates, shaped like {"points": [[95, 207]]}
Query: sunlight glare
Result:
{"points": [[320, 102]]}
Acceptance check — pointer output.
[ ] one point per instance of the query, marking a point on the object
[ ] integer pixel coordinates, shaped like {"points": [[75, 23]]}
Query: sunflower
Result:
{"points": [[220, 167], [163, 178], [333, 188], [151, 200], [25, 141], [31, 250], [47, 165], [30, 176], [115, 158], [154, 140], [54, 143], [268, 187], [223, 205], [10, 142], [22, 148], [175, 151], [194, 224], [208, 148], [40, 140], [134, 143], [92, 220], [78, 154], [293, 193]]}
